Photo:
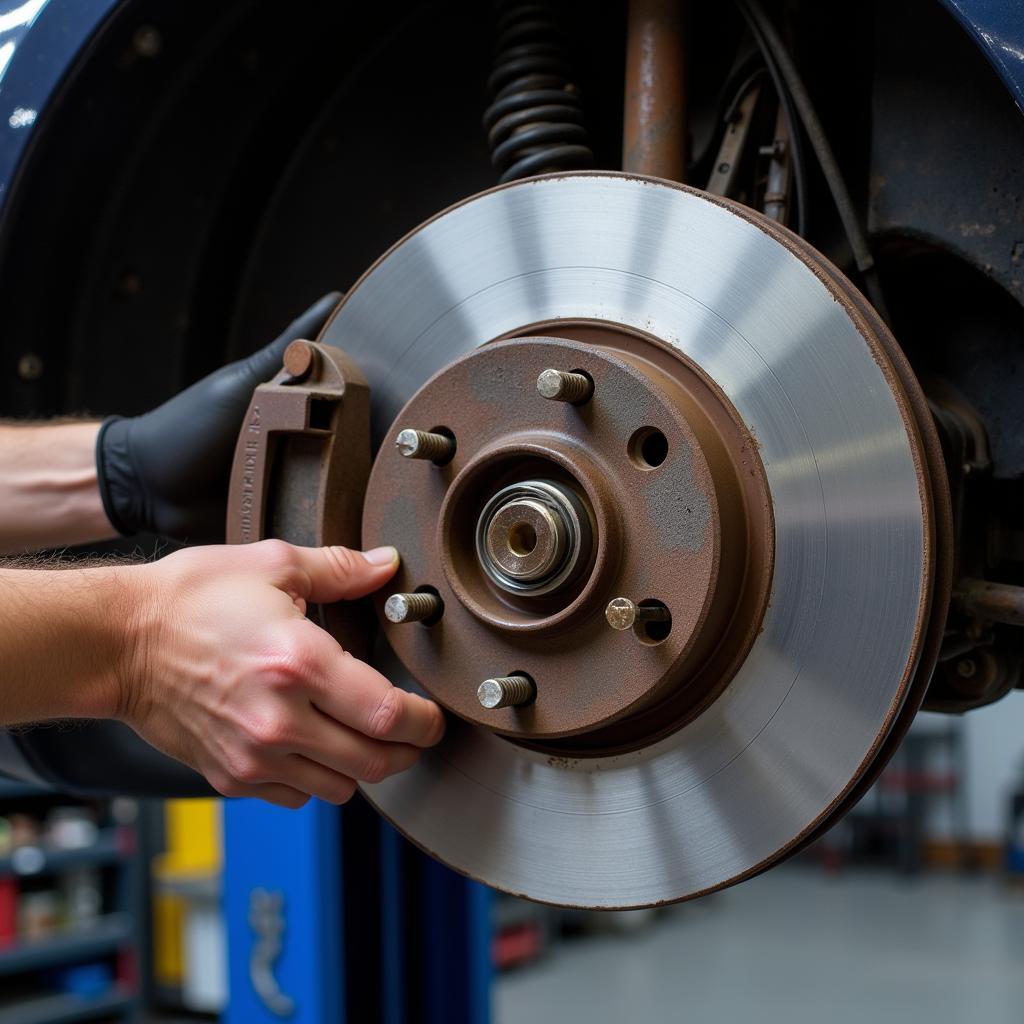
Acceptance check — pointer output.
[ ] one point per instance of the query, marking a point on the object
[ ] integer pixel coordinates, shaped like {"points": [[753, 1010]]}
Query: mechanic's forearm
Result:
{"points": [[65, 642], [48, 491]]}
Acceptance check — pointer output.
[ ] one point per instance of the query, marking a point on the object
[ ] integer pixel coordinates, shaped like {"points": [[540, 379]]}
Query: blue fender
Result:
{"points": [[39, 42], [997, 28]]}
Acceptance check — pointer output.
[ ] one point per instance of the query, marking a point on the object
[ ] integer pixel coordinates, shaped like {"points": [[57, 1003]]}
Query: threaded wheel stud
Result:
{"points": [[561, 386], [505, 692], [422, 444], [420, 607]]}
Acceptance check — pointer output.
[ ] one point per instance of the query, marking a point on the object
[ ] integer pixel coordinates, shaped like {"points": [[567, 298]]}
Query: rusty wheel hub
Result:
{"points": [[673, 528], [649, 491]]}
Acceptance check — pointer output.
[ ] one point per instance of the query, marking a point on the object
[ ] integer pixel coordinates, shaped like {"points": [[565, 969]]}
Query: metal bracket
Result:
{"points": [[301, 465]]}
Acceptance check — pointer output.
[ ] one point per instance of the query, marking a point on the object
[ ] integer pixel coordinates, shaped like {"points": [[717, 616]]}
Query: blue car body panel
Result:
{"points": [[997, 27], [39, 42], [41, 39]]}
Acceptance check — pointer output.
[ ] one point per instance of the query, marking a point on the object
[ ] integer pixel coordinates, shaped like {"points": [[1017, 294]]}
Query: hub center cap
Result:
{"points": [[530, 537]]}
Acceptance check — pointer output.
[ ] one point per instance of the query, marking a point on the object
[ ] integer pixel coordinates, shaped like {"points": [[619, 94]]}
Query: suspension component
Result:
{"points": [[654, 126], [992, 602], [535, 122]]}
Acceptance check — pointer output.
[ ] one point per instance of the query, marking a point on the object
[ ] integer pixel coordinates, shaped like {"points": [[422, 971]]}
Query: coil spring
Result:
{"points": [[535, 122]]}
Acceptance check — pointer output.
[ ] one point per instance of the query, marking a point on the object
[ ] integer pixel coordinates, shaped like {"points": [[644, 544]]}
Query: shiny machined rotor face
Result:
{"points": [[734, 788]]}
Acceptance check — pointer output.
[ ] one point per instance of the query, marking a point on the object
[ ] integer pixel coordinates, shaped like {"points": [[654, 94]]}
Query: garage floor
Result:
{"points": [[797, 946]]}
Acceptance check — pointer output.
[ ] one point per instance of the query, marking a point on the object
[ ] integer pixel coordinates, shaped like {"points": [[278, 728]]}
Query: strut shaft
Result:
{"points": [[654, 125]]}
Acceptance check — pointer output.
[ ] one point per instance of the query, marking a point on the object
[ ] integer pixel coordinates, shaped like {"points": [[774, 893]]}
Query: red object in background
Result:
{"points": [[126, 841], [8, 912], [898, 781], [127, 969], [516, 945]]}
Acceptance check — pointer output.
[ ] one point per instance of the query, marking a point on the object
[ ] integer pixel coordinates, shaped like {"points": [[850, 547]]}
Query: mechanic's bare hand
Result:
{"points": [[229, 676]]}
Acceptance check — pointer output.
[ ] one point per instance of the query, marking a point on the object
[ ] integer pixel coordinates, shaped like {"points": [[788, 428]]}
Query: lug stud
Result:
{"points": [[420, 607], [622, 613], [505, 692], [422, 444], [560, 386]]}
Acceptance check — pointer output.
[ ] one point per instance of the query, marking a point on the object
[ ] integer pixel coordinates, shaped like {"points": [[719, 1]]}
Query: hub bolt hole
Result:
{"points": [[654, 630], [648, 448]]}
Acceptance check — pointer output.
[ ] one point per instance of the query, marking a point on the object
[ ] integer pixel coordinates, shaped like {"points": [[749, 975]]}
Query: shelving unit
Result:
{"points": [[46, 979], [106, 936], [890, 826], [61, 1008], [13, 790], [43, 859]]}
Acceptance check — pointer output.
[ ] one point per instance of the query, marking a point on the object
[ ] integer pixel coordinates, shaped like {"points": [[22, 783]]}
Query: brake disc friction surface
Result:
{"points": [[768, 761]]}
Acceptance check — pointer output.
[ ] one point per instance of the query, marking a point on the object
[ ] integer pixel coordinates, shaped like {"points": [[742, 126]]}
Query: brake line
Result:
{"points": [[771, 43]]}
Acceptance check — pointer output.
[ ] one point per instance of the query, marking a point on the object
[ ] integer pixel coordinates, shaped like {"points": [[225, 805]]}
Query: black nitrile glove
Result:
{"points": [[166, 472]]}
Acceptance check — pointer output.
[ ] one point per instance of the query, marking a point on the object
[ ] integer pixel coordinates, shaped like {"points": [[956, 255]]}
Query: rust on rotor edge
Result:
{"points": [[937, 584], [301, 465], [692, 530], [933, 484]]}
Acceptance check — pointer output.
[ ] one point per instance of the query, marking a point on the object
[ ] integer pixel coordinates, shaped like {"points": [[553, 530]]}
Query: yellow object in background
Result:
{"points": [[194, 843], [168, 939], [194, 852]]}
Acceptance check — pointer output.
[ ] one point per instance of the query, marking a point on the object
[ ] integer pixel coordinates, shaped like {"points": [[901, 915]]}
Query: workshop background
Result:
{"points": [[193, 181], [912, 908]]}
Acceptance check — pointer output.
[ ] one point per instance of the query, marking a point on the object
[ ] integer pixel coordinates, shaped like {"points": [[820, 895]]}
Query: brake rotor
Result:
{"points": [[782, 523]]}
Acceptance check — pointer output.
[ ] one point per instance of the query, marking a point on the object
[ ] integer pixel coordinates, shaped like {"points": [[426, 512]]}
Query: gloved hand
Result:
{"points": [[166, 472]]}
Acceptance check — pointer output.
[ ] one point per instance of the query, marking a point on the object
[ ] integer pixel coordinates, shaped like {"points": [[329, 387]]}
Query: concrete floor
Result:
{"points": [[795, 946]]}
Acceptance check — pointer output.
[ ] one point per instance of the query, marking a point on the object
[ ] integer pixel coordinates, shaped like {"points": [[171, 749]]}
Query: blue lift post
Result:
{"points": [[333, 917], [282, 906]]}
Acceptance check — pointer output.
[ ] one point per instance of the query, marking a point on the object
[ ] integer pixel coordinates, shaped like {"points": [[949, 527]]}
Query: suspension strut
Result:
{"points": [[654, 125], [535, 122]]}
